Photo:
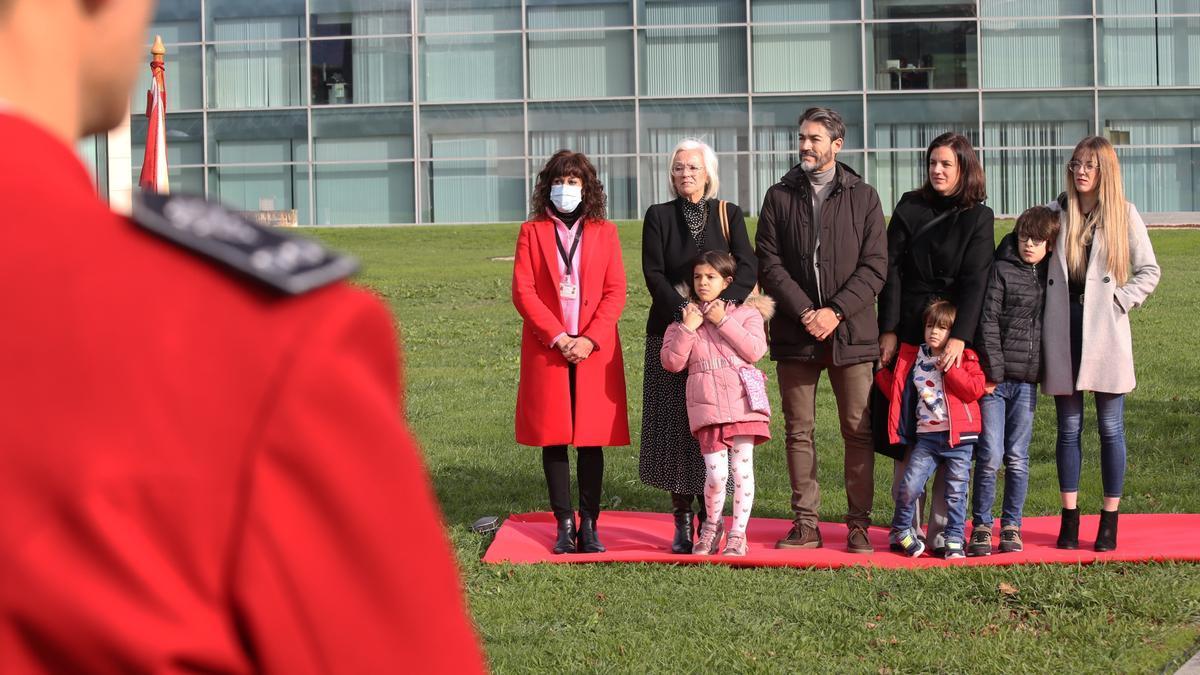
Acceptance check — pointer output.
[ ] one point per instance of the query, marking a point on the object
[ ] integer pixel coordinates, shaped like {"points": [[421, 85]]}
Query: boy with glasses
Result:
{"points": [[1010, 348]]}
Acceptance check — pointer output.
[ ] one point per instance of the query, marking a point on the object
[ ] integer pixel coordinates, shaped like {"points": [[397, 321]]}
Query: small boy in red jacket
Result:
{"points": [[936, 414]]}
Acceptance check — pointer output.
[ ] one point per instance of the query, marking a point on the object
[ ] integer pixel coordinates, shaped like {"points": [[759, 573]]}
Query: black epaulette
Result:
{"points": [[286, 262]]}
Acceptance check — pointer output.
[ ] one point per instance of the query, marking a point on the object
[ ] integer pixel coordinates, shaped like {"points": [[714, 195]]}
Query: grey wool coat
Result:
{"points": [[1106, 364]]}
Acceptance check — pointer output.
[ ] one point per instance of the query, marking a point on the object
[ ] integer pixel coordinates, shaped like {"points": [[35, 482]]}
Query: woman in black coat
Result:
{"points": [[941, 240], [673, 234]]}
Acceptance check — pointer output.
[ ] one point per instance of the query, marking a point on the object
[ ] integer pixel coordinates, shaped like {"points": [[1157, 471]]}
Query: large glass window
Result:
{"points": [[671, 12], [1037, 53], [733, 170], [1036, 8], [358, 134], [601, 127], [807, 57], [914, 121], [1151, 117], [185, 139], [358, 17], [456, 16], [894, 173], [776, 121], [1150, 51], [94, 152], [471, 68], [183, 179], [722, 123], [255, 137], [922, 55], [182, 75], [471, 131], [1148, 6], [256, 75], [802, 10], [1048, 119], [691, 61], [365, 70], [475, 191], [254, 21], [1019, 179], [577, 13], [1161, 179], [262, 188], [769, 168], [177, 21], [917, 9], [580, 64], [364, 194]]}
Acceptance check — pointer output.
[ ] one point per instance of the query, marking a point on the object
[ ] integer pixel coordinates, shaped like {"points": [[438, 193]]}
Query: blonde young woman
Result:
{"points": [[1103, 267]]}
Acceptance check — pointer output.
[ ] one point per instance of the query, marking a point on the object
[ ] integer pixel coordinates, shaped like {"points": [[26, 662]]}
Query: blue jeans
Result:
{"points": [[1110, 416], [930, 450], [1007, 430]]}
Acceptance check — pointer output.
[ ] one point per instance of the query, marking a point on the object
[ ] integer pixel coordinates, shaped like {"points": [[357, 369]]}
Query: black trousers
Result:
{"points": [[589, 473]]}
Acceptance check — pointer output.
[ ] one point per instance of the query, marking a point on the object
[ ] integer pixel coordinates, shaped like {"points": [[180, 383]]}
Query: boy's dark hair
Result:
{"points": [[720, 261], [827, 117], [1038, 223], [940, 313]]}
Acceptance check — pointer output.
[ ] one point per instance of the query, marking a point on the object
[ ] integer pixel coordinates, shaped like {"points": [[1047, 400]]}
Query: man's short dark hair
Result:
{"points": [[1038, 223], [827, 117]]}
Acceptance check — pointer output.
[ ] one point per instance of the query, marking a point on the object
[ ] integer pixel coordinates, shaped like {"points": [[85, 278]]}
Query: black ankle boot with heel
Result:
{"points": [[684, 531], [1068, 530], [566, 535], [589, 542], [1106, 536]]}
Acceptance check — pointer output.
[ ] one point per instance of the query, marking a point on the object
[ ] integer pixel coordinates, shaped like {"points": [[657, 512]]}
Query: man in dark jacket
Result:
{"points": [[822, 251]]}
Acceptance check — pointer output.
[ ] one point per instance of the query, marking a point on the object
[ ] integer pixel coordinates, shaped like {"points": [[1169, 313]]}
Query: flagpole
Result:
{"points": [[154, 164]]}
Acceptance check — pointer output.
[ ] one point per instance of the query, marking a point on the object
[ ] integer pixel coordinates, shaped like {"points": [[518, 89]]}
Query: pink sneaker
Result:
{"points": [[709, 541], [735, 544]]}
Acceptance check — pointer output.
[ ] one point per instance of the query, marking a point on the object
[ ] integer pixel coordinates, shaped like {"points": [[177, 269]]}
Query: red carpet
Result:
{"points": [[646, 537]]}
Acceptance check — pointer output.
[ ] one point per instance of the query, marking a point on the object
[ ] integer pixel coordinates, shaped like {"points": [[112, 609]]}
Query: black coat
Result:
{"points": [[668, 251], [951, 260], [846, 275], [1010, 330]]}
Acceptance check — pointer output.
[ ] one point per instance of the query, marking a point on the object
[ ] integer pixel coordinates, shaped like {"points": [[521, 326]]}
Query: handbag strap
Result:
{"points": [[724, 220]]}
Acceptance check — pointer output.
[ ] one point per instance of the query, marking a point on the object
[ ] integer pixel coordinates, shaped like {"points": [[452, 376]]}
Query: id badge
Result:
{"points": [[568, 290]]}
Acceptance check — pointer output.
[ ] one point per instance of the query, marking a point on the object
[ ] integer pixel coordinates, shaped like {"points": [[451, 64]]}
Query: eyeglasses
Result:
{"points": [[1024, 239], [681, 169], [1074, 166]]}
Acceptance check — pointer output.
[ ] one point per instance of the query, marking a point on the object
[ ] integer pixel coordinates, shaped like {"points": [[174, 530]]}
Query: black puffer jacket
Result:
{"points": [[845, 276], [1010, 328]]}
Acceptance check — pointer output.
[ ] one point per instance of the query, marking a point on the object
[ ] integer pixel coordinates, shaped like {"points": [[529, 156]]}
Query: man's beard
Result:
{"points": [[811, 164]]}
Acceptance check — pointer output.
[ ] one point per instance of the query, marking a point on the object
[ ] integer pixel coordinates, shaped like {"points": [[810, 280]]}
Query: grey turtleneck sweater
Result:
{"points": [[822, 184]]}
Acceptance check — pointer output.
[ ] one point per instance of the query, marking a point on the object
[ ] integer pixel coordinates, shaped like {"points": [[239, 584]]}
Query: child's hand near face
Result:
{"points": [[692, 318], [715, 312]]}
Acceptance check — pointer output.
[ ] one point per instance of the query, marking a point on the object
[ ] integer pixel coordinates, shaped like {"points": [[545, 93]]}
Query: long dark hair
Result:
{"points": [[972, 184], [568, 163]]}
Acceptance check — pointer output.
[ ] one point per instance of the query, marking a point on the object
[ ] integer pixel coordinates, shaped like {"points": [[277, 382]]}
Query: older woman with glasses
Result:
{"points": [[673, 234]]}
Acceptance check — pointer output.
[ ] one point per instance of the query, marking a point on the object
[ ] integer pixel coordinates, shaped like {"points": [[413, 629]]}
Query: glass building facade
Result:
{"points": [[358, 112]]}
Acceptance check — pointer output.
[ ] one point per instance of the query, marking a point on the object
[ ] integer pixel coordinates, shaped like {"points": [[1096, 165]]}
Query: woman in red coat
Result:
{"points": [[569, 287]]}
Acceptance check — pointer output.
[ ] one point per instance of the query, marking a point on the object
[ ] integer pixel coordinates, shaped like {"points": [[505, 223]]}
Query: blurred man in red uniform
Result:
{"points": [[203, 466]]}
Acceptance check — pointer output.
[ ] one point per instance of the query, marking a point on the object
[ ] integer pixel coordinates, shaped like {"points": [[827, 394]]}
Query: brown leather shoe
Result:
{"points": [[858, 541], [801, 536]]}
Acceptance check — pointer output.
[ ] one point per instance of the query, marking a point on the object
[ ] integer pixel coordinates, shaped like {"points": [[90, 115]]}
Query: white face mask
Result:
{"points": [[566, 197]]}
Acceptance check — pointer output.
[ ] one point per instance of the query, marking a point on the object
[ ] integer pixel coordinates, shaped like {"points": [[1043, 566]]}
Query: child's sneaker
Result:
{"points": [[1010, 539], [981, 541], [908, 542], [709, 541], [735, 544], [954, 549]]}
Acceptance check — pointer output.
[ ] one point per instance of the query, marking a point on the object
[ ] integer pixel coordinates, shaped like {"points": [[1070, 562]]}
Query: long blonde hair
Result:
{"points": [[1110, 217]]}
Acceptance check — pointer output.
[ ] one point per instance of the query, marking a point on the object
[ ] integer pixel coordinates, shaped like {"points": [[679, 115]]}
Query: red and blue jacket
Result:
{"points": [[962, 384]]}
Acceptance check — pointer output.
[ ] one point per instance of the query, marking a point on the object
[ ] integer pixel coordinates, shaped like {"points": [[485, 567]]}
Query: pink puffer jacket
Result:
{"points": [[712, 356]]}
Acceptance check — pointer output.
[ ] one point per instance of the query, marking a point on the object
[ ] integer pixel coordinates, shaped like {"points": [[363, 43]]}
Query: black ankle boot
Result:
{"points": [[566, 535], [684, 531], [588, 541], [1106, 537], [1068, 529]]}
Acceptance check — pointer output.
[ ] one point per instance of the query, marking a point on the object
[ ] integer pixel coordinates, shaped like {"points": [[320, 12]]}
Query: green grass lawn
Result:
{"points": [[461, 342]]}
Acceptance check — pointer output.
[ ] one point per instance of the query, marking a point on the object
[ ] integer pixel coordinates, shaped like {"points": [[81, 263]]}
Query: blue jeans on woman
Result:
{"points": [[1110, 417], [1007, 429], [930, 450]]}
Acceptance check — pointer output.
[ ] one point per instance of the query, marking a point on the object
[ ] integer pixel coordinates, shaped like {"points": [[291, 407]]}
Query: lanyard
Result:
{"points": [[567, 257]]}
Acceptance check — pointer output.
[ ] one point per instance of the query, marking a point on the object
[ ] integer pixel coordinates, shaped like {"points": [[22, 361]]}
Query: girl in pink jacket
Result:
{"points": [[714, 340]]}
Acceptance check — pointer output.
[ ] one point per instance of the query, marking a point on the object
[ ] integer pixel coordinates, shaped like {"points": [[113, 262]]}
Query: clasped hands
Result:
{"points": [[693, 317], [576, 349], [820, 323]]}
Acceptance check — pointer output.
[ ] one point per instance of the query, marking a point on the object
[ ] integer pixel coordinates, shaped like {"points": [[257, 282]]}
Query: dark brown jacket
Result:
{"points": [[846, 274]]}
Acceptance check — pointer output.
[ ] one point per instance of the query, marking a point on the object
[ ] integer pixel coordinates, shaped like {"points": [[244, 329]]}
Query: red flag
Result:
{"points": [[154, 164]]}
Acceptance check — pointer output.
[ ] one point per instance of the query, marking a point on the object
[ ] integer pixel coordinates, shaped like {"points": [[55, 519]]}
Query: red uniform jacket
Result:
{"points": [[196, 472], [543, 395], [963, 386]]}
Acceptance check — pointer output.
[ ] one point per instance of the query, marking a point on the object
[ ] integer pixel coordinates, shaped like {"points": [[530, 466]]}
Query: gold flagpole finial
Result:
{"points": [[158, 49]]}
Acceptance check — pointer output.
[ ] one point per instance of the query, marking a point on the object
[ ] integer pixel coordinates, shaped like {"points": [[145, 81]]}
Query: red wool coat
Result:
{"points": [[198, 473], [543, 414]]}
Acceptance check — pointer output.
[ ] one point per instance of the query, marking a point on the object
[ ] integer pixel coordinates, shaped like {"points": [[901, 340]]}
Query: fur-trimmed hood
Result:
{"points": [[762, 302]]}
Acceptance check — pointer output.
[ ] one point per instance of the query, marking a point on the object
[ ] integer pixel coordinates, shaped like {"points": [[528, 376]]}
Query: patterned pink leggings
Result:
{"points": [[741, 456]]}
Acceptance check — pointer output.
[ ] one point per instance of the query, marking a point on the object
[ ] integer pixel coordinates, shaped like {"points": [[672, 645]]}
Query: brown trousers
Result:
{"points": [[851, 387]]}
